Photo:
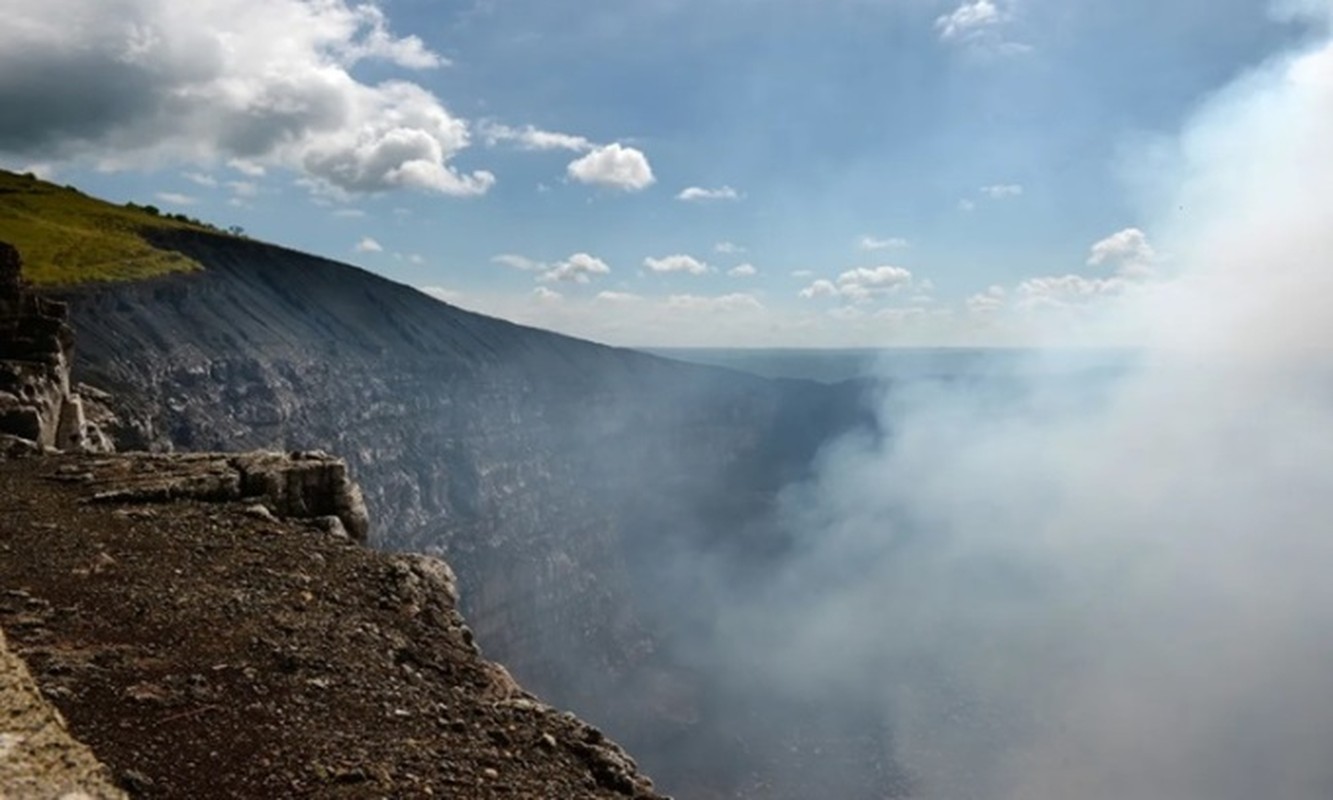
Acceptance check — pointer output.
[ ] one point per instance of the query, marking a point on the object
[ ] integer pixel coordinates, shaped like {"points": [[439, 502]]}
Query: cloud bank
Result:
{"points": [[257, 84]]}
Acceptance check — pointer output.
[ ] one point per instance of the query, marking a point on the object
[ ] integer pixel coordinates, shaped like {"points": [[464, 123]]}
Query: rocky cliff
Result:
{"points": [[569, 484], [39, 409]]}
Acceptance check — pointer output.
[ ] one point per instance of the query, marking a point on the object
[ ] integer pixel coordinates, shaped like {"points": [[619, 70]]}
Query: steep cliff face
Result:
{"points": [[560, 478]]}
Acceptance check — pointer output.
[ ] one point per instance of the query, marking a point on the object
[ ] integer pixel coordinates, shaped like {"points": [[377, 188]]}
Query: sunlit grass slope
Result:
{"points": [[67, 237]]}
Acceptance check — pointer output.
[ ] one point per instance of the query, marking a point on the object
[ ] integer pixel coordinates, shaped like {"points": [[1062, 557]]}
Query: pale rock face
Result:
{"points": [[37, 405]]}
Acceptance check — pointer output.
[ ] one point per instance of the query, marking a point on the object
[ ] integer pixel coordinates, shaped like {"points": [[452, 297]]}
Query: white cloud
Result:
{"points": [[737, 301], [531, 138], [676, 263], [1128, 250], [820, 288], [969, 20], [247, 167], [254, 83], [978, 26], [728, 248], [873, 243], [699, 194], [614, 166], [966, 205], [618, 297], [546, 295], [176, 199], [200, 178], [1001, 191], [802, 273], [861, 284], [416, 259], [368, 245], [743, 271], [518, 262], [988, 301], [578, 268], [1058, 291], [243, 188]]}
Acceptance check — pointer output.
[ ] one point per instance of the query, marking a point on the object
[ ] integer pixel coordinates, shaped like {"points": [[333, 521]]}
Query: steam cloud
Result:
{"points": [[1064, 591]]}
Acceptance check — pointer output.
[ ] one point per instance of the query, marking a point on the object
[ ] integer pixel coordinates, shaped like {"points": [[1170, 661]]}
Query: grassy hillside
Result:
{"points": [[67, 237]]}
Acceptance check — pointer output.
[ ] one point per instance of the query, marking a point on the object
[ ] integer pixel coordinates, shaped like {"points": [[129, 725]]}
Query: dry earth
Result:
{"points": [[209, 650]]}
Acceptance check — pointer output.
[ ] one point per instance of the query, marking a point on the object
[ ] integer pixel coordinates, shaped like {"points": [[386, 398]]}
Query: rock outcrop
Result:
{"points": [[38, 407], [301, 485]]}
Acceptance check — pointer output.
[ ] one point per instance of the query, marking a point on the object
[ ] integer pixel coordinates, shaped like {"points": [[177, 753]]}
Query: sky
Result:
{"points": [[811, 173]]}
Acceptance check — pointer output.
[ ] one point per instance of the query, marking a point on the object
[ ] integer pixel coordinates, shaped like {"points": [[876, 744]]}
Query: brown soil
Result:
{"points": [[206, 650]]}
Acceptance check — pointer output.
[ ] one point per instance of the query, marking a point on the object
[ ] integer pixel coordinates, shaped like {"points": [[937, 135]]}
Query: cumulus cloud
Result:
{"points": [[676, 263], [532, 138], [727, 303], [698, 194], [254, 83], [743, 271], [200, 178], [1128, 251], [614, 166], [873, 243], [987, 302], [545, 295], [368, 245], [728, 248], [578, 268], [862, 284]]}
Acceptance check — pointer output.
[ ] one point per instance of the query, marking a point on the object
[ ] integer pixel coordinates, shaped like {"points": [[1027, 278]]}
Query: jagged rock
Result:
{"points": [[36, 348], [312, 486]]}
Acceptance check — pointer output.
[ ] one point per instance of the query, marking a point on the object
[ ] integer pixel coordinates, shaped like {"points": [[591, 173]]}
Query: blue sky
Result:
{"points": [[892, 171]]}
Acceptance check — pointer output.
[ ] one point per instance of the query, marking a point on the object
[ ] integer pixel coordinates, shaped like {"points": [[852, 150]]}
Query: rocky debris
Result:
{"points": [[204, 649], [309, 485], [38, 757], [37, 404]]}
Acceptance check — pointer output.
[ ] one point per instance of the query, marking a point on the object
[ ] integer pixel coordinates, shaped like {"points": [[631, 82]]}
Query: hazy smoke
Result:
{"points": [[1059, 588]]}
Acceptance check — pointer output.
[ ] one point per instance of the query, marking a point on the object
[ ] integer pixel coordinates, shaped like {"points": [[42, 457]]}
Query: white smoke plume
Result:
{"points": [[1065, 590]]}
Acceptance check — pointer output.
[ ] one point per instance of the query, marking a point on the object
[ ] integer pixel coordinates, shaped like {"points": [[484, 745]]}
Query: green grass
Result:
{"points": [[67, 237]]}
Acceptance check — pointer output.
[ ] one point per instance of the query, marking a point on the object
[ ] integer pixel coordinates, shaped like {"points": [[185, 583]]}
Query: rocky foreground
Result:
{"points": [[204, 646]]}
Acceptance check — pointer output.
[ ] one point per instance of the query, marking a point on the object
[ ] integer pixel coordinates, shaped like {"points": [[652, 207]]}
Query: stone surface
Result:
{"points": [[302, 485], [39, 759]]}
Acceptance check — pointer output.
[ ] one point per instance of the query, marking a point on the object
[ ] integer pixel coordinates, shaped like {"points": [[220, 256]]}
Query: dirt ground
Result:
{"points": [[208, 650]]}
